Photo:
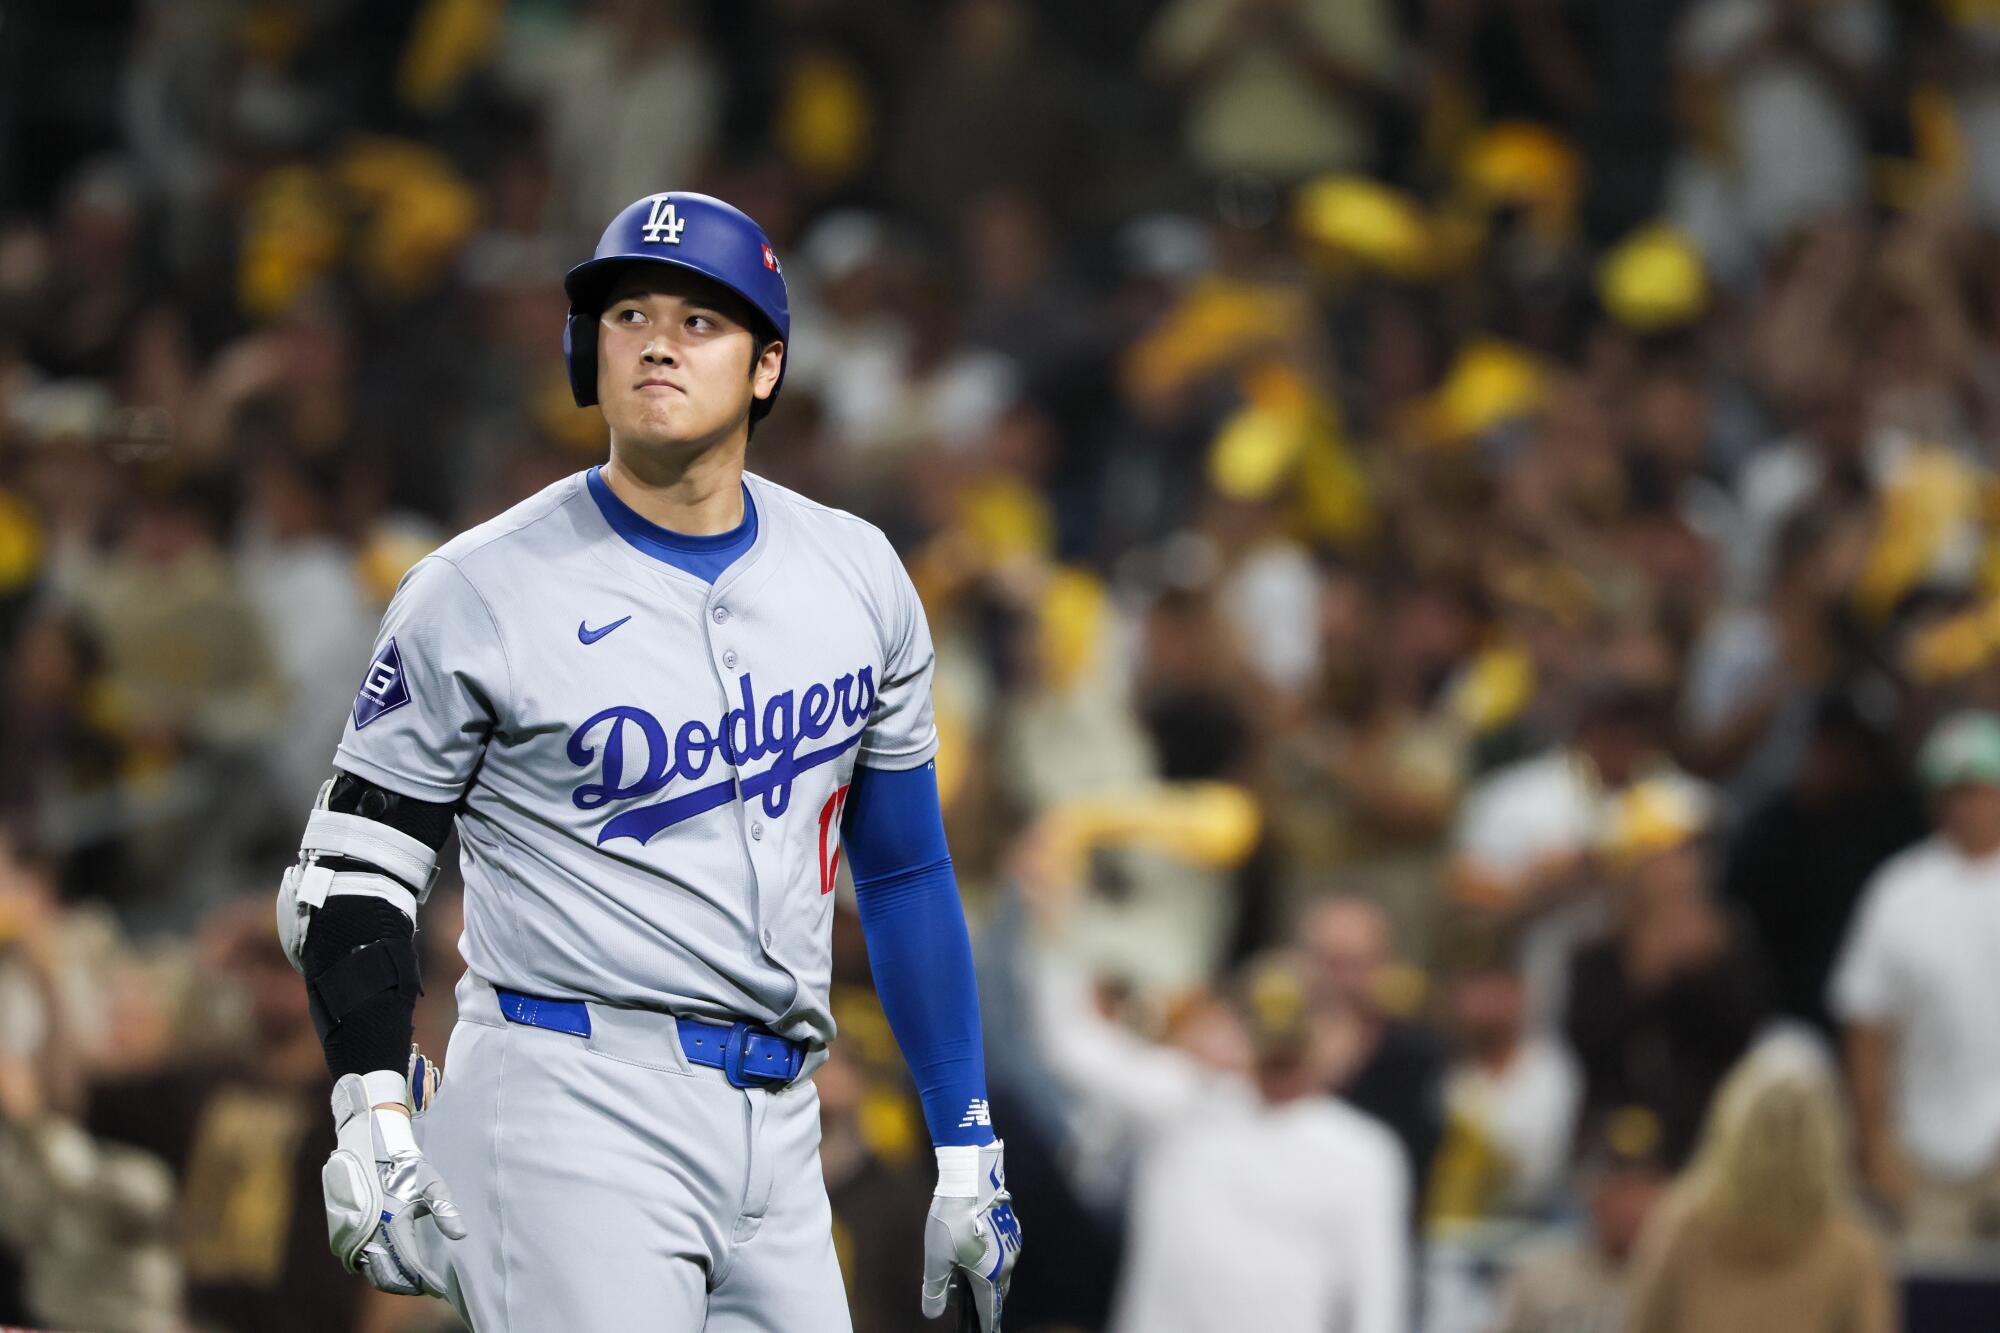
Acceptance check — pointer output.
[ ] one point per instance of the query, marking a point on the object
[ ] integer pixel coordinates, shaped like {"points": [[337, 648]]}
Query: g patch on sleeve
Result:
{"points": [[384, 689]]}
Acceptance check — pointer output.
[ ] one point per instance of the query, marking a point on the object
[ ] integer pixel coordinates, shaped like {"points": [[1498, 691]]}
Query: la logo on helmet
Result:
{"points": [[663, 224]]}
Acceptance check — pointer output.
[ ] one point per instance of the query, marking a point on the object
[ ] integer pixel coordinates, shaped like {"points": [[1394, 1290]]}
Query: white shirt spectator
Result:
{"points": [[1775, 483], [1272, 600], [1798, 147], [1278, 1219], [1923, 960], [1733, 656], [319, 623], [1244, 1214], [1527, 1111], [1527, 812]]}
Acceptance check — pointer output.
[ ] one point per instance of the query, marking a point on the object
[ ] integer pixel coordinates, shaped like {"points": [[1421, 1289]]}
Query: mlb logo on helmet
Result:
{"points": [[663, 224], [771, 260]]}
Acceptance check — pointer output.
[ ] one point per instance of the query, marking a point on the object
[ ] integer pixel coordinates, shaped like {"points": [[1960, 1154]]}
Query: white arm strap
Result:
{"points": [[317, 884], [394, 853], [399, 870]]}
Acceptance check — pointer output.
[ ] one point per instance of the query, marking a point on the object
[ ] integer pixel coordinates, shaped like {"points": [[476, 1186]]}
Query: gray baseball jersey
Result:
{"points": [[652, 768]]}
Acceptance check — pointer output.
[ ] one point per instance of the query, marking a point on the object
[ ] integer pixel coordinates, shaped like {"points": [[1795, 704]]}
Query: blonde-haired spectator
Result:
{"points": [[1762, 1233]]}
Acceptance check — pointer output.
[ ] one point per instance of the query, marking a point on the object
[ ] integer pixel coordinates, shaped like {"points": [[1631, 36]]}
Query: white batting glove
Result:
{"points": [[379, 1189], [971, 1238]]}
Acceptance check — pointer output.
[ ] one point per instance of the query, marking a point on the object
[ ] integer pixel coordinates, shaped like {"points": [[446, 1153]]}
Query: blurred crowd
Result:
{"points": [[1463, 538]]}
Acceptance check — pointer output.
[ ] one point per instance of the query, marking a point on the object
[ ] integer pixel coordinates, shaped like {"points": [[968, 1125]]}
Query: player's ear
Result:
{"points": [[770, 359]]}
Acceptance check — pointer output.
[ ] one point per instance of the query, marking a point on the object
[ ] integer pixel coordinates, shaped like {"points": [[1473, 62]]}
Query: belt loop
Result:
{"points": [[732, 1055]]}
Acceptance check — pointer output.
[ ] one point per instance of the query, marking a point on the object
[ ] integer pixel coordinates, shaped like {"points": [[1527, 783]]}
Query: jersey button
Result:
{"points": [[757, 831], [768, 938], [721, 614], [729, 658]]}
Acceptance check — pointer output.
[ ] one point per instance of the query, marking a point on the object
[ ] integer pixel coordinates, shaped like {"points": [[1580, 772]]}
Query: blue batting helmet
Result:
{"points": [[692, 231]]}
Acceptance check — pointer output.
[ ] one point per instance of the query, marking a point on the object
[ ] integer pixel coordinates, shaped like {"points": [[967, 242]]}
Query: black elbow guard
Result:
{"points": [[429, 822], [362, 983]]}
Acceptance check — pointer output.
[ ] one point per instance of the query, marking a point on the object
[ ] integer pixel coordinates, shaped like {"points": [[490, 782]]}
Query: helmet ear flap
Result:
{"points": [[580, 355]]}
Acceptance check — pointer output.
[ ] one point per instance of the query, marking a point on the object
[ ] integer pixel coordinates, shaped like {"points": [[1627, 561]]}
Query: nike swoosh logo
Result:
{"points": [[585, 634]]}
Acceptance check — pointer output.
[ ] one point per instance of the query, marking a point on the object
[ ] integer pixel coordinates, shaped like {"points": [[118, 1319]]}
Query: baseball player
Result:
{"points": [[661, 699]]}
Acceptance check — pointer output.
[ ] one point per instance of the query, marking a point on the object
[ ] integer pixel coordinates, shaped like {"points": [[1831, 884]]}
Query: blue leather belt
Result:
{"points": [[748, 1056]]}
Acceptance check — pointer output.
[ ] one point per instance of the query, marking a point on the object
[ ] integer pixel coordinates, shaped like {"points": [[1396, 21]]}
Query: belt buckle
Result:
{"points": [[732, 1056], [737, 1049]]}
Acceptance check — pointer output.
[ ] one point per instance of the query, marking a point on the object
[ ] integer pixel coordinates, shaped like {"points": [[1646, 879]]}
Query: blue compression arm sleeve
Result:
{"points": [[893, 832]]}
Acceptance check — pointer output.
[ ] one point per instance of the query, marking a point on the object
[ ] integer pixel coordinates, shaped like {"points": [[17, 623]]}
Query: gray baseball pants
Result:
{"points": [[609, 1186]]}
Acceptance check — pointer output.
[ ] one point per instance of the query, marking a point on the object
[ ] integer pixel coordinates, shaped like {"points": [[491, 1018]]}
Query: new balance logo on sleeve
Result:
{"points": [[383, 689], [977, 1115]]}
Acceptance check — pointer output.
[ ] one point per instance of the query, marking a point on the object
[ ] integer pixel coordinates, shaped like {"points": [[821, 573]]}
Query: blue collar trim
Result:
{"points": [[665, 543]]}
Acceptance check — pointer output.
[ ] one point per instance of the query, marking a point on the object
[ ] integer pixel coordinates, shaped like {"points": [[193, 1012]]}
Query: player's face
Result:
{"points": [[677, 362]]}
